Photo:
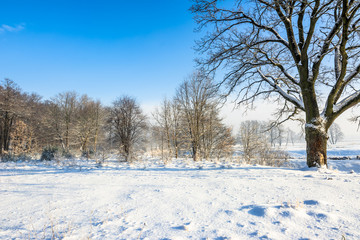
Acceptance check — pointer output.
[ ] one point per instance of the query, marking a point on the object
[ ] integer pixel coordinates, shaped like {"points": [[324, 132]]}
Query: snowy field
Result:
{"points": [[180, 200]]}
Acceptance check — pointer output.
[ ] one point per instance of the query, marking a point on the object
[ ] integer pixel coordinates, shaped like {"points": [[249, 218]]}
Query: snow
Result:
{"points": [[318, 124], [346, 101], [294, 100], [289, 97], [180, 200]]}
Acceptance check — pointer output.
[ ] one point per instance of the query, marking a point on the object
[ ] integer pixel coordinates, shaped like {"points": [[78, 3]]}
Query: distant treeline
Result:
{"points": [[189, 124], [72, 124]]}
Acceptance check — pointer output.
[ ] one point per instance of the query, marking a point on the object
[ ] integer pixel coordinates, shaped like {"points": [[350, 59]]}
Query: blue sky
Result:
{"points": [[102, 48]]}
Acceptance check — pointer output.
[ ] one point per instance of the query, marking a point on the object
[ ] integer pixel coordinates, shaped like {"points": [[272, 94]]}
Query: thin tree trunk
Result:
{"points": [[176, 152], [96, 129], [95, 141], [195, 152], [162, 146], [127, 152]]}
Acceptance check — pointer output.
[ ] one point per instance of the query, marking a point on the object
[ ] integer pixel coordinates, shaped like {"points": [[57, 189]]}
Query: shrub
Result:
{"points": [[49, 153], [6, 157], [67, 155], [274, 158], [23, 157], [89, 153]]}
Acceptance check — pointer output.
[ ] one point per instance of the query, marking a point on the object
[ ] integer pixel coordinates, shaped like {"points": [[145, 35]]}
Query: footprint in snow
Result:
{"points": [[311, 202], [308, 176], [255, 210], [253, 234], [317, 215], [228, 212], [185, 227], [285, 214]]}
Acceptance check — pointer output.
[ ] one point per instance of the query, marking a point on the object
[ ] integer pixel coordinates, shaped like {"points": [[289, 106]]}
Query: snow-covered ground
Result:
{"points": [[180, 200]]}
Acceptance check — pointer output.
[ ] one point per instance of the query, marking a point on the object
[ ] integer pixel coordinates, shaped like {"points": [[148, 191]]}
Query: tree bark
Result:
{"points": [[316, 144]]}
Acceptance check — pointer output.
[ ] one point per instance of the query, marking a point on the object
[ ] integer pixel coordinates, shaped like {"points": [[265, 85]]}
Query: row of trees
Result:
{"points": [[189, 124], [68, 121]]}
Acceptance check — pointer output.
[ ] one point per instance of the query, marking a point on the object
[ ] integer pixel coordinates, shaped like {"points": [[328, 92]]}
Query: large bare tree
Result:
{"points": [[303, 53], [195, 96]]}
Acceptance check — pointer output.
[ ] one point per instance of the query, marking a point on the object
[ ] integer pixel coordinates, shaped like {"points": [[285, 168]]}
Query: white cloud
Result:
{"points": [[7, 28]]}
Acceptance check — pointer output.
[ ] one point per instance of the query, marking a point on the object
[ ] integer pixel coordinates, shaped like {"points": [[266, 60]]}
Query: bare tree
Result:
{"points": [[275, 133], [198, 102], [170, 127], [163, 117], [128, 124], [224, 143], [255, 139], [35, 121], [62, 110], [88, 122], [176, 131], [217, 140], [252, 138], [284, 49], [335, 133], [194, 96], [291, 136]]}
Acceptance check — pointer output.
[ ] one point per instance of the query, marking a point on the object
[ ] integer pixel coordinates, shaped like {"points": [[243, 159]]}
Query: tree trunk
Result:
{"points": [[316, 144], [162, 146], [127, 152], [195, 153], [95, 139], [176, 152]]}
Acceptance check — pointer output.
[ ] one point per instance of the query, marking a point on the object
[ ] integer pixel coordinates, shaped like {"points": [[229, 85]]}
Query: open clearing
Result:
{"points": [[180, 200]]}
